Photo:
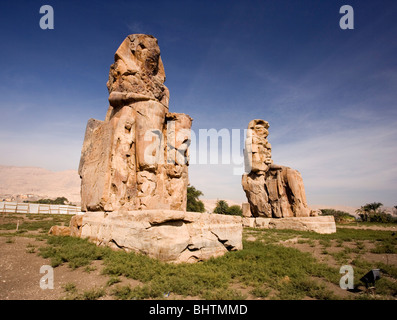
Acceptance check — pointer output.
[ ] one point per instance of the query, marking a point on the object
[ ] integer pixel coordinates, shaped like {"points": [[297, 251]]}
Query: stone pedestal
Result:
{"points": [[320, 224], [168, 235], [246, 210]]}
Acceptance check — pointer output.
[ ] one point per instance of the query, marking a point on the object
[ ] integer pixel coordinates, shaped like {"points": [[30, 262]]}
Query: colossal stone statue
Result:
{"points": [[134, 169], [272, 191], [137, 158]]}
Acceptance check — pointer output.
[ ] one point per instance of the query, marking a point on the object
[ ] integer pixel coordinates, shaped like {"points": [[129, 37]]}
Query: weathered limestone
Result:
{"points": [[319, 224], [137, 158], [246, 209], [75, 225], [272, 190], [275, 191], [168, 235], [278, 193], [59, 231]]}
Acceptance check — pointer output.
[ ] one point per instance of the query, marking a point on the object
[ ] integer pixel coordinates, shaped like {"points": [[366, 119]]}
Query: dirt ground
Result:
{"points": [[20, 273]]}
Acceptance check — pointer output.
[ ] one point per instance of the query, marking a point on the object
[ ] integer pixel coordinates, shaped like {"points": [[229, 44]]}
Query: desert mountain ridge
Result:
{"points": [[39, 181], [51, 184]]}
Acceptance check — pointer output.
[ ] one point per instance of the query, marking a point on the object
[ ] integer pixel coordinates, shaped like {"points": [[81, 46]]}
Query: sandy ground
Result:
{"points": [[20, 273], [20, 269], [376, 227]]}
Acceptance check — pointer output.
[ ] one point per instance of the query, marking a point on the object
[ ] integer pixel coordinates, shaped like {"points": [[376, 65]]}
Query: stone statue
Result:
{"points": [[272, 191], [137, 158], [134, 169]]}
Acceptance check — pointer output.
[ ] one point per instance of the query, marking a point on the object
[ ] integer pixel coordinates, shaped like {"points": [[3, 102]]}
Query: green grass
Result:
{"points": [[386, 246], [34, 222], [258, 266], [261, 292], [113, 280], [326, 243], [92, 294], [75, 251], [265, 268], [384, 240], [342, 256], [70, 287], [369, 224], [385, 286]]}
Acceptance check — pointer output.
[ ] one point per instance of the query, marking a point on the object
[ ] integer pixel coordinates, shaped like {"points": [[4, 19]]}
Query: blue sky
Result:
{"points": [[330, 95]]}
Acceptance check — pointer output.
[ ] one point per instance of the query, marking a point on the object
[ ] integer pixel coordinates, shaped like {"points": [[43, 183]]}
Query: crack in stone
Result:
{"points": [[172, 222], [193, 256], [118, 246], [228, 247]]}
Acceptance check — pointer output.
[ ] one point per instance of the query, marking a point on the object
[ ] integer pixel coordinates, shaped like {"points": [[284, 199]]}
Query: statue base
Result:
{"points": [[167, 235], [319, 224]]}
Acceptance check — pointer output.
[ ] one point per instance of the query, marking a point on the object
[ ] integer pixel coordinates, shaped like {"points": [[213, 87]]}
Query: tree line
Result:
{"points": [[59, 201], [194, 204]]}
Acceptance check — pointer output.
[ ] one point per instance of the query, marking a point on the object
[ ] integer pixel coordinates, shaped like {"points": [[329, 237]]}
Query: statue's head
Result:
{"points": [[259, 127], [138, 67]]}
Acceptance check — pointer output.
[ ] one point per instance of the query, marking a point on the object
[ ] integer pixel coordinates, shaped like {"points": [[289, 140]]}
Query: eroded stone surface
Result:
{"points": [[319, 224], [272, 190], [137, 158], [59, 231], [168, 235]]}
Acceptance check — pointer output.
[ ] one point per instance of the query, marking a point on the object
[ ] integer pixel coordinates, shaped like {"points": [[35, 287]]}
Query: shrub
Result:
{"points": [[193, 203], [222, 207], [235, 210], [76, 251], [373, 212], [59, 200], [340, 216], [382, 217]]}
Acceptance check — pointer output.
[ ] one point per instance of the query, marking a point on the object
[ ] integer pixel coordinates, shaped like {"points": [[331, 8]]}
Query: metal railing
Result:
{"points": [[37, 208]]}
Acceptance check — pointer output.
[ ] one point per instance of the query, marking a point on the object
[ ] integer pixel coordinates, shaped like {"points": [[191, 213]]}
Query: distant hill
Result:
{"points": [[52, 184], [351, 210], [38, 181]]}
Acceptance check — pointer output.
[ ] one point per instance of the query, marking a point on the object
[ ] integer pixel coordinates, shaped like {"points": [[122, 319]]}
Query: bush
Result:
{"points": [[76, 252], [382, 217], [235, 210], [59, 201], [373, 212], [340, 216], [193, 203], [222, 207]]}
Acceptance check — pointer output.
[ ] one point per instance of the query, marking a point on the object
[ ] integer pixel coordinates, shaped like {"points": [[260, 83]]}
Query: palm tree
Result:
{"points": [[362, 213], [194, 204], [367, 212], [222, 207], [373, 207]]}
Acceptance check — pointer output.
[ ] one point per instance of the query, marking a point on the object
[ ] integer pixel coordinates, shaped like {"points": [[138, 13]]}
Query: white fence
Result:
{"points": [[36, 208]]}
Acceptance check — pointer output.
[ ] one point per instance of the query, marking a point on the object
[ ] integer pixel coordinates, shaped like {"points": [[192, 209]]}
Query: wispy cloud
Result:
{"points": [[353, 160]]}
